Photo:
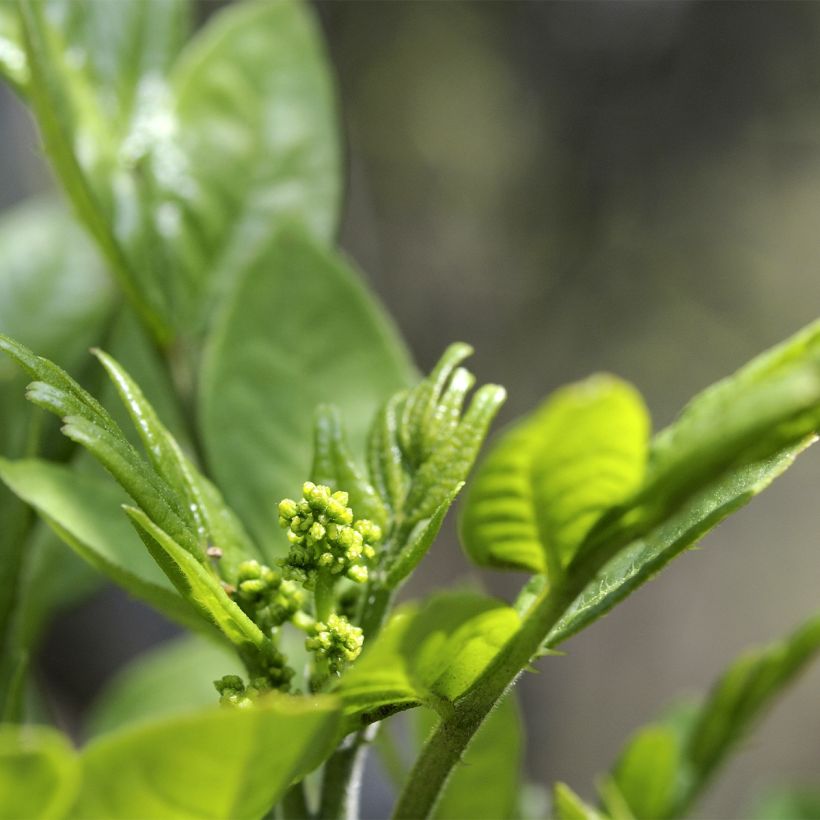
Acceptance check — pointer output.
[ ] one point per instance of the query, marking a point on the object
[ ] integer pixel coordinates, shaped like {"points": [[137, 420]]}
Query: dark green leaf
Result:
{"points": [[226, 764], [300, 331], [39, 773], [85, 512]]}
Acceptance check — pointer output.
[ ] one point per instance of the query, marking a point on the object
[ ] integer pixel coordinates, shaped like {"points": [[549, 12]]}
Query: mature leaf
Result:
{"points": [[218, 763], [738, 700], [641, 560], [85, 512], [252, 88], [39, 773], [300, 331], [174, 678], [430, 654], [197, 583], [566, 805], [646, 774], [215, 523], [333, 465], [550, 478], [487, 783]]}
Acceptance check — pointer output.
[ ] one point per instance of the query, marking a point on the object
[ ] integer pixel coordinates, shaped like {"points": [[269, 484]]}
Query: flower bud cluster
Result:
{"points": [[267, 598], [323, 536], [337, 641]]}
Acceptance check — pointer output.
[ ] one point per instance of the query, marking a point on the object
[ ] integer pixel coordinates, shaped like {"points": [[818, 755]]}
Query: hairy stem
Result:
{"points": [[446, 746]]}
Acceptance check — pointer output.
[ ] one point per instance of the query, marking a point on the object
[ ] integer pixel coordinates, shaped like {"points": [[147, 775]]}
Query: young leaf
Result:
{"points": [[646, 774], [487, 784], [334, 467], [430, 654], [215, 523], [196, 583], [386, 463], [640, 561], [550, 478], [39, 773], [85, 512], [738, 700], [218, 763], [174, 678], [272, 361], [566, 805], [13, 66]]}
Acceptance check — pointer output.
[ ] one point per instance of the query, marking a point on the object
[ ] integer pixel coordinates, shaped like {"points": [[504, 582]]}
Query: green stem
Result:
{"points": [[323, 595], [294, 803], [448, 743]]}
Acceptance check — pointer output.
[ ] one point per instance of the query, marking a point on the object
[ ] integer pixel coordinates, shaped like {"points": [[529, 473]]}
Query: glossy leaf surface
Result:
{"points": [[300, 331]]}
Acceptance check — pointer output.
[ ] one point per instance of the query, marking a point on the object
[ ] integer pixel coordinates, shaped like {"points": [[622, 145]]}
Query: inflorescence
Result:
{"points": [[326, 544]]}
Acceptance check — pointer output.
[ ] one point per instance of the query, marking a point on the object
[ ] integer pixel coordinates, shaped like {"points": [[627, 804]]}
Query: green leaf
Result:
{"points": [[215, 523], [419, 541], [253, 88], [333, 466], [738, 700], [174, 678], [176, 227], [386, 463], [13, 66], [640, 561], [428, 654], [301, 330], [197, 583], [566, 805], [646, 774], [218, 763], [550, 478], [39, 773], [788, 804], [486, 784], [85, 512]]}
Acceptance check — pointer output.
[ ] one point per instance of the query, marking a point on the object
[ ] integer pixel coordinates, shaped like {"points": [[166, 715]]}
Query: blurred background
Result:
{"points": [[573, 187]]}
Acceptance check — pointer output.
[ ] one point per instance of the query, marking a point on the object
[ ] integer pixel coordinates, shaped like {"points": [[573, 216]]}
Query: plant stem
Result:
{"points": [[294, 803], [445, 748]]}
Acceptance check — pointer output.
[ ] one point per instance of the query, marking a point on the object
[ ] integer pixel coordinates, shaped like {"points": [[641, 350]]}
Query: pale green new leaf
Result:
{"points": [[173, 678], [13, 66], [386, 462], [301, 330], [222, 764], [426, 654], [39, 773], [646, 774], [197, 583], [333, 466], [86, 513], [487, 782], [550, 477], [566, 805]]}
